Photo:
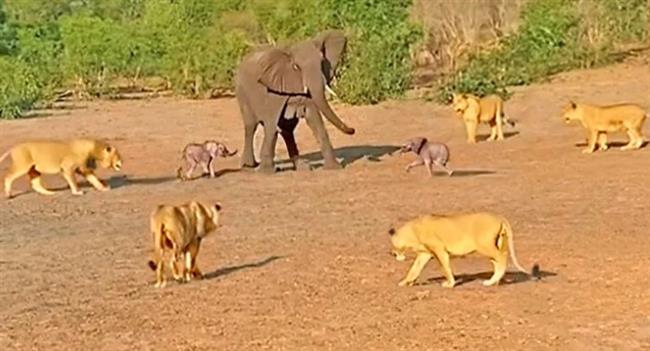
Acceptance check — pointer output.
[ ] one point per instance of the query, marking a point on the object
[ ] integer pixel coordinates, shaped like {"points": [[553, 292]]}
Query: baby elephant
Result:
{"points": [[429, 154], [204, 155]]}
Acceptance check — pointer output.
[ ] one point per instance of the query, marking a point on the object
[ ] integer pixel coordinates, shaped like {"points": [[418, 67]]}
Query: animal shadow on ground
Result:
{"points": [[351, 154], [231, 269], [508, 278], [122, 180], [506, 135], [611, 144], [464, 173]]}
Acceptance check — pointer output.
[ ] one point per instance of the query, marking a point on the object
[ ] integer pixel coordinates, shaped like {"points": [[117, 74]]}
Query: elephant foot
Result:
{"points": [[301, 165], [332, 165], [266, 169], [249, 166]]}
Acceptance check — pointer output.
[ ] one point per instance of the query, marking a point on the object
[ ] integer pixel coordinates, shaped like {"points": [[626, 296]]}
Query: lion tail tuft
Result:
{"points": [[151, 265], [536, 272]]}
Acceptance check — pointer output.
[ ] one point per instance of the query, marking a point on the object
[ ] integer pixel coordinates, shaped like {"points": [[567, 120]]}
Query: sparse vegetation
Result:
{"points": [[93, 47], [554, 36], [98, 47]]}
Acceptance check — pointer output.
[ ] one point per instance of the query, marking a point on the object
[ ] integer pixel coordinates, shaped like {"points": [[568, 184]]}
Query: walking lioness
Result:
{"points": [[80, 156], [474, 110], [599, 120], [178, 231], [455, 235]]}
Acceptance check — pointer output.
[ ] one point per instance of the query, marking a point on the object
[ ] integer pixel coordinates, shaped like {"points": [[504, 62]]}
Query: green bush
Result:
{"points": [[551, 39], [19, 89]]}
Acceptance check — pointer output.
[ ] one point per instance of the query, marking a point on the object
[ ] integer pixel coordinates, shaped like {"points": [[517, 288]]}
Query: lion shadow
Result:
{"points": [[506, 135], [508, 278], [610, 144], [232, 269], [123, 180], [350, 154]]}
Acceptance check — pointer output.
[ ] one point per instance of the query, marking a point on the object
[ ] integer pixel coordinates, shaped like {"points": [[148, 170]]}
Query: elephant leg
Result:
{"points": [[287, 127], [268, 149], [250, 126], [315, 122]]}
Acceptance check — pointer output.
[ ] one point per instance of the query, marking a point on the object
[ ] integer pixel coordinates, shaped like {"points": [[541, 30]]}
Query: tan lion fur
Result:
{"points": [[178, 231], [474, 110], [80, 156], [599, 120], [455, 235]]}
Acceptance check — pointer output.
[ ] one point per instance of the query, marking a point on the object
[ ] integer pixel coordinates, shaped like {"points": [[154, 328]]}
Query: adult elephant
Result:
{"points": [[276, 86]]}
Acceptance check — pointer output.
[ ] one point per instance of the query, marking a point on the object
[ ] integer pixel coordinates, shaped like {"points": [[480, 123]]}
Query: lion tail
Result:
{"points": [[158, 233], [5, 155], [507, 231]]}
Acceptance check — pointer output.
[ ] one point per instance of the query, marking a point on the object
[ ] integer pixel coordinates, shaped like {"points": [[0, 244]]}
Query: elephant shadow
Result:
{"points": [[508, 278], [351, 154]]}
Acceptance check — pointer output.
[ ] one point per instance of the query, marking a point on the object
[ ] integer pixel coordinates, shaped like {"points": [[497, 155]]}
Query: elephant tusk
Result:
{"points": [[329, 90]]}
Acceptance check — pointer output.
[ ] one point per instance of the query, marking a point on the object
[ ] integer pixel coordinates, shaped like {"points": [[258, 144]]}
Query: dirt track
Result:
{"points": [[302, 261]]}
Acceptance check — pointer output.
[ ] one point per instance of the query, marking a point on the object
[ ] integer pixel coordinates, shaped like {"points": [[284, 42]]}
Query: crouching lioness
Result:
{"points": [[80, 156], [455, 235], [178, 231], [599, 120]]}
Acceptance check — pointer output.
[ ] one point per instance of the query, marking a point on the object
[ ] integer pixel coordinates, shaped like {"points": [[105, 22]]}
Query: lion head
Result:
{"points": [[110, 158], [571, 112], [460, 102]]}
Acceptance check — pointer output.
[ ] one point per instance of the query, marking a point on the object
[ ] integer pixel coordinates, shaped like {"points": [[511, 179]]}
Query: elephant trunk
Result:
{"points": [[318, 96]]}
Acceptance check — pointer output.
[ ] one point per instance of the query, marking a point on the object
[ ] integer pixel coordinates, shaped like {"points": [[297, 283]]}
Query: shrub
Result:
{"points": [[19, 89], [378, 64], [554, 36]]}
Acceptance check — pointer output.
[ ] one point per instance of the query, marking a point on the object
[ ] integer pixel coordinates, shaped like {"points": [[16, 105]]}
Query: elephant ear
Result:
{"points": [[332, 44], [280, 73]]}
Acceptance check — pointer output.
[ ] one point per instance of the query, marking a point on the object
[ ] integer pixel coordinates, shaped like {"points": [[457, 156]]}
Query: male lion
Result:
{"points": [[598, 120], [476, 110], [67, 157], [178, 230], [455, 235]]}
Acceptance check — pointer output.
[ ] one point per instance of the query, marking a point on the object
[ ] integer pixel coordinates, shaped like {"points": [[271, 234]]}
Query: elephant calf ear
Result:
{"points": [[279, 73]]}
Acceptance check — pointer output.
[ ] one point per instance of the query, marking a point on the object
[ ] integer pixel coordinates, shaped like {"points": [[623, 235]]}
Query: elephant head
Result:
{"points": [[306, 69]]}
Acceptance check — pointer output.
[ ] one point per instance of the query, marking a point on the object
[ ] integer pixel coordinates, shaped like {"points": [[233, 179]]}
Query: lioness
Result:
{"points": [[67, 157], [476, 110], [598, 120], [178, 230], [455, 235]]}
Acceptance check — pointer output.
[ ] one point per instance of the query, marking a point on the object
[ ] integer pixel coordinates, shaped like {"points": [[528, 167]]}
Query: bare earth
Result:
{"points": [[302, 260]]}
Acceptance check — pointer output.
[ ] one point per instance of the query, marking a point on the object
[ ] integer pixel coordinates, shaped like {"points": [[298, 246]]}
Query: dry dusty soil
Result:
{"points": [[302, 261]]}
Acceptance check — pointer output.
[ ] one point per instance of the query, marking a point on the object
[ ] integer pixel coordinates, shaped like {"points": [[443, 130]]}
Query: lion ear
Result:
{"points": [[391, 231], [108, 149], [573, 104], [280, 73]]}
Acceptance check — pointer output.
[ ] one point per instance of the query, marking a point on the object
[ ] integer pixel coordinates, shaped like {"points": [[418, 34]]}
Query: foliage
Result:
{"points": [[554, 36]]}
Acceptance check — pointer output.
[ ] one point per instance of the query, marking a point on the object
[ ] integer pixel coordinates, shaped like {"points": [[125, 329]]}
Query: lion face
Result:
{"points": [[571, 113], [111, 158], [399, 246], [459, 103]]}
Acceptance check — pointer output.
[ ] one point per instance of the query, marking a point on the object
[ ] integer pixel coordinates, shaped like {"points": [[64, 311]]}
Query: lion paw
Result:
{"points": [[404, 283], [488, 282], [448, 284]]}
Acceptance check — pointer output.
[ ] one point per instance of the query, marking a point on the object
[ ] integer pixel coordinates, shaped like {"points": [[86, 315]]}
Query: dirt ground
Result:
{"points": [[302, 260]]}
